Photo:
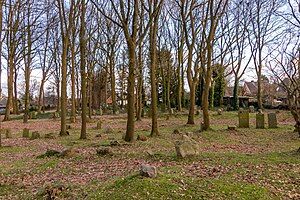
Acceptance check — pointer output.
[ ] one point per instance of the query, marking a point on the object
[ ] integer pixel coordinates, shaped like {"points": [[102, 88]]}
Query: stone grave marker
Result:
{"points": [[243, 119], [272, 120], [8, 133], [260, 120], [25, 133], [251, 109]]}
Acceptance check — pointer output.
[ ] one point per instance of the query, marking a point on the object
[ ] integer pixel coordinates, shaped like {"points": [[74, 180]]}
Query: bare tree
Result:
{"points": [[66, 24], [263, 25]]}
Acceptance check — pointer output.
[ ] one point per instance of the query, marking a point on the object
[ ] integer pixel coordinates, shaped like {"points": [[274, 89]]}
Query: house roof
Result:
{"points": [[251, 88]]}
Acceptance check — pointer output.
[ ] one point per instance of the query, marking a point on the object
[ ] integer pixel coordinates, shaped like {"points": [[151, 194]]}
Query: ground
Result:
{"points": [[243, 164]]}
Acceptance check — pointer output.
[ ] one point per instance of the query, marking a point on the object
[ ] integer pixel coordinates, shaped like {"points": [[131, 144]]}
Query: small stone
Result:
{"points": [[150, 153], [108, 129], [68, 152], [35, 135], [25, 133], [232, 127], [114, 143], [141, 138], [50, 136], [189, 134], [104, 151], [148, 171]]}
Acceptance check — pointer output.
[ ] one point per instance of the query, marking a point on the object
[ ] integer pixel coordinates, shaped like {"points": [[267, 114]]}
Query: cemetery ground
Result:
{"points": [[246, 163]]}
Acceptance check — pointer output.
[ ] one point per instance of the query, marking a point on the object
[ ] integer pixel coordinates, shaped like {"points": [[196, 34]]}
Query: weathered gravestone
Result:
{"points": [[25, 133], [72, 119], [32, 115], [260, 120], [35, 135], [8, 133], [187, 147], [272, 120], [243, 119], [148, 171], [220, 111], [251, 109], [99, 124]]}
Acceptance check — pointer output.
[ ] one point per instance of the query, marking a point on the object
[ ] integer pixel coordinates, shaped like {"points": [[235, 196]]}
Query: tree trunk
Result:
{"points": [[191, 116], [140, 85], [153, 69], [236, 94], [73, 98], [169, 86], [15, 96], [113, 81], [129, 137], [82, 72]]}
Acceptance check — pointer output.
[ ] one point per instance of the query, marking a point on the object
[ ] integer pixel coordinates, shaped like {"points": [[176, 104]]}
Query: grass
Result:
{"points": [[243, 164]]}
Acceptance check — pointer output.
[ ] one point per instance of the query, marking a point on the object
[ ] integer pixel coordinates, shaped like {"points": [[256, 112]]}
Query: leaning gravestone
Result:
{"points": [[243, 119], [187, 147], [272, 120], [25, 133], [260, 120]]}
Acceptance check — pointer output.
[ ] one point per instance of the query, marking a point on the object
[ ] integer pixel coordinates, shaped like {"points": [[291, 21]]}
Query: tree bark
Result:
{"points": [[82, 47]]}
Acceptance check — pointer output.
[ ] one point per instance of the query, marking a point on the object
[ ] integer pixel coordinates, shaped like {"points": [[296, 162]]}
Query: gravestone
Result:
{"points": [[243, 119], [8, 133], [148, 171], [272, 120], [251, 109], [35, 135], [72, 119], [32, 115], [25, 133], [25, 118], [220, 111], [100, 111], [187, 147], [172, 111], [99, 124], [260, 120]]}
